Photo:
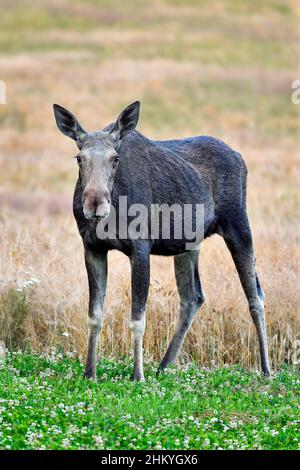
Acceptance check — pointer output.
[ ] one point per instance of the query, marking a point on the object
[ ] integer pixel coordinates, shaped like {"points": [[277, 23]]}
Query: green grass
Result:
{"points": [[244, 34], [44, 403], [224, 103], [218, 49]]}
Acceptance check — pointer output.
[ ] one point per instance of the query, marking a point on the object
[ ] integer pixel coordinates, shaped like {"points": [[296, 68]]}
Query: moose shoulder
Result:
{"points": [[120, 163]]}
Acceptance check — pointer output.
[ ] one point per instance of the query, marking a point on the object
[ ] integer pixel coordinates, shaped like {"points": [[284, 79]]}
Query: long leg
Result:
{"points": [[140, 275], [238, 238], [191, 298], [96, 266]]}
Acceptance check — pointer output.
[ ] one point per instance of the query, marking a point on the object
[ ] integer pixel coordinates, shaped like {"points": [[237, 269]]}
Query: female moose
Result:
{"points": [[118, 161]]}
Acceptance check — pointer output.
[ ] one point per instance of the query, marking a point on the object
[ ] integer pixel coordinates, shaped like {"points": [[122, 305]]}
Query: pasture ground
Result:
{"points": [[45, 404]]}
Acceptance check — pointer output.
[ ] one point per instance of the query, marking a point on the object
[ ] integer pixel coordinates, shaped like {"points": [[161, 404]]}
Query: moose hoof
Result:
{"points": [[160, 370], [89, 376], [266, 373], [137, 378]]}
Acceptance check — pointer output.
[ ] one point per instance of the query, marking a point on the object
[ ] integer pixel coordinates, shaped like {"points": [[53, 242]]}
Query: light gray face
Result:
{"points": [[98, 157], [97, 160]]}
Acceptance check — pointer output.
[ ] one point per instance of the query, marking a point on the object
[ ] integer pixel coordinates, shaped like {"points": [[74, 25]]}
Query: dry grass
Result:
{"points": [[231, 78]]}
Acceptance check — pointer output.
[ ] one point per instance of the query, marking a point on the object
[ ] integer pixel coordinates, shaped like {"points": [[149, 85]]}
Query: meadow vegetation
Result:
{"points": [[208, 67], [45, 404]]}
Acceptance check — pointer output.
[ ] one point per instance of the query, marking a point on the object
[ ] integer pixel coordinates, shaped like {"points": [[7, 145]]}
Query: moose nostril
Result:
{"points": [[105, 196]]}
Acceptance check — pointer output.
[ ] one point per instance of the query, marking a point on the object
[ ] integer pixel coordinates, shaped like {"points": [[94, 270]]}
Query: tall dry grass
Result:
{"points": [[48, 250], [217, 70]]}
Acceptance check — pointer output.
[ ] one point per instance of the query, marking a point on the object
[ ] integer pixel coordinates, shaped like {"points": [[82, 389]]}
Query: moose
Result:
{"points": [[120, 161]]}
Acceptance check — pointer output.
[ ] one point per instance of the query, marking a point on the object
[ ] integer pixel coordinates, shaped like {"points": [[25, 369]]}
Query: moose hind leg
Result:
{"points": [[260, 292], [191, 298], [239, 241]]}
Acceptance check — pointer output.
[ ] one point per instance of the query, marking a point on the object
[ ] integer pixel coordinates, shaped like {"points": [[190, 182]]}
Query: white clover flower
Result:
{"points": [[98, 440], [206, 442], [65, 443]]}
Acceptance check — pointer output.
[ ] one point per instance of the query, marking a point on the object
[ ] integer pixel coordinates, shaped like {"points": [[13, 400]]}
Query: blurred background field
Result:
{"points": [[223, 68]]}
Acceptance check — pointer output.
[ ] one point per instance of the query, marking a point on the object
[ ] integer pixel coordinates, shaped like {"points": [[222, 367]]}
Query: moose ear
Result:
{"points": [[127, 121], [67, 123]]}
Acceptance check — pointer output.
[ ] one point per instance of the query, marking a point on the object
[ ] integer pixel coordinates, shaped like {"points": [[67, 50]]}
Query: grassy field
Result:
{"points": [[193, 408], [210, 67]]}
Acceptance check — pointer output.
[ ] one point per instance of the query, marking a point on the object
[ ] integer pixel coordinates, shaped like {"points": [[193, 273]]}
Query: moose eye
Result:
{"points": [[116, 160], [78, 158]]}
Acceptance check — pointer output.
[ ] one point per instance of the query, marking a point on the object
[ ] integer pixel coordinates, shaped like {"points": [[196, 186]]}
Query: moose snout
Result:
{"points": [[96, 204]]}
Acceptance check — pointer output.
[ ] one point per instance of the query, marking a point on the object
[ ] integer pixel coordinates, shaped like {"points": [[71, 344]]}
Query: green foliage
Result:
{"points": [[45, 403]]}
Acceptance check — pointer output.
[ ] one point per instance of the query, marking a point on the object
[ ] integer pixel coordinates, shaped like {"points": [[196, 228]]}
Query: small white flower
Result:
{"points": [[206, 442], [65, 443], [98, 440]]}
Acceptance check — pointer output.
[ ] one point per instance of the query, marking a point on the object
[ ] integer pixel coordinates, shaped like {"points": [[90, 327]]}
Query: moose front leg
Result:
{"points": [[140, 274], [96, 266]]}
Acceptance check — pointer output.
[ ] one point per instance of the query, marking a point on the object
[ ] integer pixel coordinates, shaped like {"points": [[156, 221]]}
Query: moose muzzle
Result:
{"points": [[96, 203]]}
